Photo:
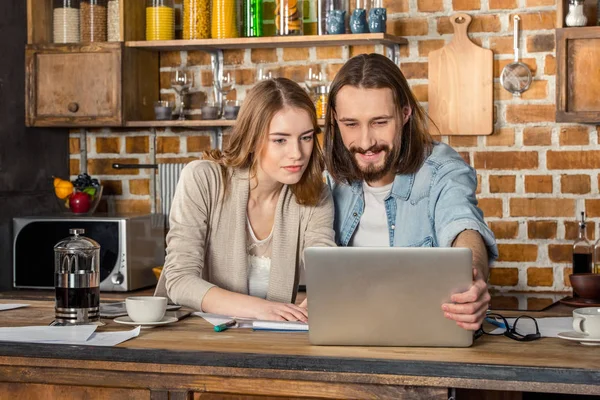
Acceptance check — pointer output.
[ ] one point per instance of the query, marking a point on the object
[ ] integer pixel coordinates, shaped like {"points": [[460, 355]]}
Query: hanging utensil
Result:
{"points": [[516, 77]]}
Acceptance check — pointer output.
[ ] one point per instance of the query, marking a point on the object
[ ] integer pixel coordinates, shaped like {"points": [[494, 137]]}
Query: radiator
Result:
{"points": [[168, 176]]}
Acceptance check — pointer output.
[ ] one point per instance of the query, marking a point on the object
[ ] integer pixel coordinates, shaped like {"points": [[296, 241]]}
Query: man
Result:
{"points": [[393, 185]]}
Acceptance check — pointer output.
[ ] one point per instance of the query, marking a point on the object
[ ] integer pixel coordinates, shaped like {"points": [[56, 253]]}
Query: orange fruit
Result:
{"points": [[63, 189]]}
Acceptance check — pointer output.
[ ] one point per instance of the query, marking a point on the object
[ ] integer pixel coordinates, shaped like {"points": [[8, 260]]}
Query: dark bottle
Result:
{"points": [[582, 251], [252, 15]]}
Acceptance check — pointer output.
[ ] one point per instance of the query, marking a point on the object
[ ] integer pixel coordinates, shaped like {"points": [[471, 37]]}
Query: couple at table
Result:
{"points": [[241, 218]]}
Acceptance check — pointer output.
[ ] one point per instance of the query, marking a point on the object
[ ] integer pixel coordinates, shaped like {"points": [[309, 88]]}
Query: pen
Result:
{"points": [[495, 323], [225, 326]]}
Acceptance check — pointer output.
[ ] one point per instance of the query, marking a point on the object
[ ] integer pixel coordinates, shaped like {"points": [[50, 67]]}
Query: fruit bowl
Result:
{"points": [[81, 197]]}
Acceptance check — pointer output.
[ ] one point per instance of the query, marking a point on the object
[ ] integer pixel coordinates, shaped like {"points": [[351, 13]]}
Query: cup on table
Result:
{"points": [[587, 320], [146, 308]]}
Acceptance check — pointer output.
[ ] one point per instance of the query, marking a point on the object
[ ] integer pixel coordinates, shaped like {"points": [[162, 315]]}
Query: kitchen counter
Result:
{"points": [[188, 358]]}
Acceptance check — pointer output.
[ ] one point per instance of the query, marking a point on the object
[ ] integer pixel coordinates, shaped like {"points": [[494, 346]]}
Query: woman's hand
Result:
{"points": [[273, 311]]}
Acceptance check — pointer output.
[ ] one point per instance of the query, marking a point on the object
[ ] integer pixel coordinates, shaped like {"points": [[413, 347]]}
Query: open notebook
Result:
{"points": [[255, 324]]}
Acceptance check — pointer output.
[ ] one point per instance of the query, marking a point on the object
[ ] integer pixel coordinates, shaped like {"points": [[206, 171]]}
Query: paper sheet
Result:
{"points": [[4, 307], [104, 338], [48, 334], [217, 319], [549, 327]]}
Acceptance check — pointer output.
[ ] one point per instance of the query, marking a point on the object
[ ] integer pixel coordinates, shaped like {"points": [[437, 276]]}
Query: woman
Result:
{"points": [[240, 220]]}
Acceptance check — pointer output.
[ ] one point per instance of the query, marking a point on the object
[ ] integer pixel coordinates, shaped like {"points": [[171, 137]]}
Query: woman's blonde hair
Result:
{"points": [[251, 131]]}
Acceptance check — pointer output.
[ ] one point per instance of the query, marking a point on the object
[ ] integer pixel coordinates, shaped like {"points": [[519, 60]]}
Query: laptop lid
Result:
{"points": [[385, 296]]}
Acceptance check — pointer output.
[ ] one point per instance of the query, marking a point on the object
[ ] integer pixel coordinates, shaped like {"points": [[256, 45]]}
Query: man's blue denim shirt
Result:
{"points": [[426, 209]]}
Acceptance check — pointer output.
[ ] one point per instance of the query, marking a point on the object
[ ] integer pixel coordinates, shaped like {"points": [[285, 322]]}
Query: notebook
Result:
{"points": [[385, 296]]}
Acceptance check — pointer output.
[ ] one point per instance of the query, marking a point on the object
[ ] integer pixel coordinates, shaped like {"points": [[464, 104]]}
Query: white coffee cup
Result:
{"points": [[587, 320], [146, 308]]}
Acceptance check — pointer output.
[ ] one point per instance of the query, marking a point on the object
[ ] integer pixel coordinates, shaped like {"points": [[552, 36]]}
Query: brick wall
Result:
{"points": [[535, 175]]}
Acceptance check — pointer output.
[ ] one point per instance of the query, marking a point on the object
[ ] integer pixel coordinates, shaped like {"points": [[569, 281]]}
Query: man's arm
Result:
{"points": [[472, 240]]}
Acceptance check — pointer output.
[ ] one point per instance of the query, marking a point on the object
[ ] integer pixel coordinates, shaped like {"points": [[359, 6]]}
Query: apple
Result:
{"points": [[80, 202]]}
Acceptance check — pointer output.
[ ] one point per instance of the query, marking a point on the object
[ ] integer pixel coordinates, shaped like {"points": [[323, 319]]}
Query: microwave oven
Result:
{"points": [[129, 244]]}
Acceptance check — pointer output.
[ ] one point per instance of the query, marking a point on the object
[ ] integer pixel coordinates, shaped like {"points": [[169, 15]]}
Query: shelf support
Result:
{"points": [[393, 52], [216, 59]]}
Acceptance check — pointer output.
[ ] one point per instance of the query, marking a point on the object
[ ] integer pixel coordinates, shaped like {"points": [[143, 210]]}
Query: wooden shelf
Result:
{"points": [[271, 42], [216, 123]]}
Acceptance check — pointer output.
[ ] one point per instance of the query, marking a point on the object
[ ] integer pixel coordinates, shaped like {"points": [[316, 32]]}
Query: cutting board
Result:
{"points": [[461, 85]]}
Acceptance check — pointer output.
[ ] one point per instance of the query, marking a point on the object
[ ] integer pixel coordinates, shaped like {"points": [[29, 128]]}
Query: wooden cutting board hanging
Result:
{"points": [[461, 85]]}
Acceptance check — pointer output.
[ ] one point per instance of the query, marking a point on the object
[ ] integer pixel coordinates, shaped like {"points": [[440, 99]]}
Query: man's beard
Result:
{"points": [[373, 173]]}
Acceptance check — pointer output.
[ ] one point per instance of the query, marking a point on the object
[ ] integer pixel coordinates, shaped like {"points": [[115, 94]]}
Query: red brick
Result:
{"points": [[538, 184], [566, 272], [427, 46], [137, 144], [183, 160], [521, 114], [108, 145], [132, 206], [167, 144], [263, 55], [529, 207], [415, 70], [430, 5], [506, 160], [537, 136], [573, 159], [537, 91], [170, 59], [517, 252], [574, 136], [501, 44], [539, 3], [233, 57], [560, 253], [504, 276], [535, 21], [462, 5], [491, 207], [572, 230], [540, 276], [465, 156], [540, 43], [396, 6], [420, 92], [103, 166], [462, 141], [500, 94], [550, 65], [74, 145], [198, 144], [480, 23], [576, 184], [592, 208], [502, 183], [112, 188], [541, 229], [503, 4], [198, 58], [296, 54], [139, 186], [505, 229], [501, 137], [74, 166], [329, 52], [408, 27]]}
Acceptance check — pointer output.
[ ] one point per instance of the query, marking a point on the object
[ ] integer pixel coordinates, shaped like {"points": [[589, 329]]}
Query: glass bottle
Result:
{"points": [[582, 250], [576, 16], [224, 20], [65, 21], [322, 98], [289, 18], [252, 16], [196, 19], [113, 21], [160, 20], [596, 267], [92, 20]]}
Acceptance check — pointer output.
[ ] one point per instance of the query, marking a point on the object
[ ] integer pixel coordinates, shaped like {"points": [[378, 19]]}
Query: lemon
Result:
{"points": [[63, 189]]}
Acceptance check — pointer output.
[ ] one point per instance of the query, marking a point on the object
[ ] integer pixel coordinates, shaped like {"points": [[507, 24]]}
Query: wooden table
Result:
{"points": [[189, 360]]}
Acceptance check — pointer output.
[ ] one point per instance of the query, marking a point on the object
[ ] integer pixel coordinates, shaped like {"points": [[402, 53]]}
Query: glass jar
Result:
{"points": [[77, 279], [358, 19], [377, 17], [160, 20], [576, 16], [196, 19], [114, 21], [321, 103], [65, 21], [93, 21], [252, 18], [289, 17], [582, 250], [224, 19]]}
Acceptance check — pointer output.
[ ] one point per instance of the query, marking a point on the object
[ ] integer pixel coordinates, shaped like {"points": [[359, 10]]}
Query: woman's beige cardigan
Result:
{"points": [[206, 243]]}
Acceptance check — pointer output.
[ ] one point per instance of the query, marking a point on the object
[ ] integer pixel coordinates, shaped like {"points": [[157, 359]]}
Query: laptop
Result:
{"points": [[385, 296]]}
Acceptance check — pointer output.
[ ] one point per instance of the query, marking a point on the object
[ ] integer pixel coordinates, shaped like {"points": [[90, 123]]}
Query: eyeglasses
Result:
{"points": [[527, 331]]}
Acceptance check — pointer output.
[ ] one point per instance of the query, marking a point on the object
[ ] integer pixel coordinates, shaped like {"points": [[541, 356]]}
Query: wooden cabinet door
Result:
{"points": [[74, 85]]}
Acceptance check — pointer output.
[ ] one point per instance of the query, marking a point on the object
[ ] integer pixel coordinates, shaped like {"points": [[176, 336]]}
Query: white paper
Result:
{"points": [[4, 307], [104, 338], [217, 319], [549, 327], [55, 334]]}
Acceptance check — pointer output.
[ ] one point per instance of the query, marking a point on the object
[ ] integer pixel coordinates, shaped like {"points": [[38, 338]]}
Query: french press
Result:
{"points": [[77, 279]]}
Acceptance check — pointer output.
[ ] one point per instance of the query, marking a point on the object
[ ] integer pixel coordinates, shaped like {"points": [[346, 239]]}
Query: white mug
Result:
{"points": [[146, 308], [587, 321]]}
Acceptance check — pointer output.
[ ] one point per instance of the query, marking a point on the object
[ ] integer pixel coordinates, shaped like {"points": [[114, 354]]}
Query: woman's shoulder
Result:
{"points": [[203, 172]]}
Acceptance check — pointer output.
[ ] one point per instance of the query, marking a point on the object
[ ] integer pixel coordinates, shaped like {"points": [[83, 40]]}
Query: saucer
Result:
{"points": [[128, 321], [580, 302], [580, 337]]}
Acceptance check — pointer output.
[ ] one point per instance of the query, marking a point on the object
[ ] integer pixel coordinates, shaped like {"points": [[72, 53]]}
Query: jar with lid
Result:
{"points": [[289, 18], [77, 279], [93, 20], [576, 16], [65, 21], [160, 20], [321, 103], [224, 23], [196, 19], [358, 19], [252, 18], [377, 17], [114, 21]]}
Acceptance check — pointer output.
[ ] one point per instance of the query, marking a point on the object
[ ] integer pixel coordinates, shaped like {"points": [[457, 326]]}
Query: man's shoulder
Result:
{"points": [[441, 155]]}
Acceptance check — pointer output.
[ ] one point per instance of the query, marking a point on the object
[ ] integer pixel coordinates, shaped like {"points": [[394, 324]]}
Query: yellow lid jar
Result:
{"points": [[160, 20]]}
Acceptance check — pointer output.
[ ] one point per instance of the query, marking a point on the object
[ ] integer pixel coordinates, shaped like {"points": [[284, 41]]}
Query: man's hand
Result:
{"points": [[468, 308]]}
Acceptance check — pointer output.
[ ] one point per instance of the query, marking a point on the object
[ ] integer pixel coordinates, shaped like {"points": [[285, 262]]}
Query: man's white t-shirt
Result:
{"points": [[373, 228]]}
